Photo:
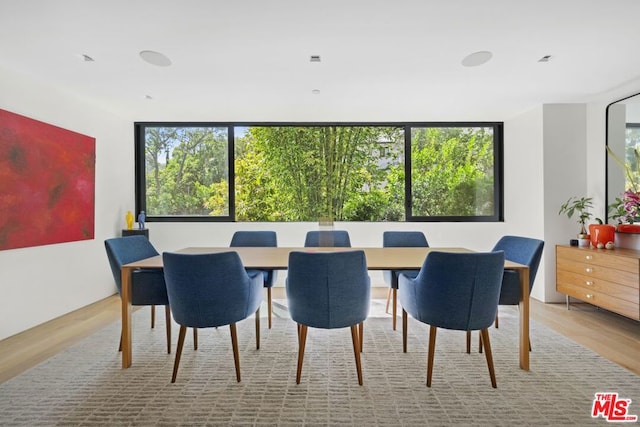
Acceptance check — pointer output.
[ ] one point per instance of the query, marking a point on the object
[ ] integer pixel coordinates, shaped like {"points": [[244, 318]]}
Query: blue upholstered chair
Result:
{"points": [[400, 239], [259, 239], [211, 290], [147, 286], [327, 238], [523, 250], [328, 290], [457, 291]]}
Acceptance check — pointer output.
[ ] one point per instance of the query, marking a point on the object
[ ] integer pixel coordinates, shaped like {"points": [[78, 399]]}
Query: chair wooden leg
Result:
{"points": [[480, 343], [394, 293], [361, 334], [302, 340], [496, 322], [176, 363], [356, 350], [258, 329], [153, 316], [234, 345], [167, 319], [405, 323], [468, 342], [269, 306], [432, 350], [386, 309], [195, 338], [120, 346], [487, 352]]}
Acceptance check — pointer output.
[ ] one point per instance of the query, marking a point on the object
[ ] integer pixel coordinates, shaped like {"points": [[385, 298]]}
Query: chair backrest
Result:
{"points": [[123, 250], [328, 289], [396, 239], [254, 238], [455, 290], [207, 290], [523, 250], [327, 238]]}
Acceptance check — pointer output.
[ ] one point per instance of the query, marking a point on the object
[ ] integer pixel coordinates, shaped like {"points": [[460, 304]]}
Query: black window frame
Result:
{"points": [[498, 171], [498, 166]]}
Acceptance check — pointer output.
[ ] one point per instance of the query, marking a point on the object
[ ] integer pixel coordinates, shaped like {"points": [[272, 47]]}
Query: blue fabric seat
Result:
{"points": [[211, 290], [147, 286], [457, 291], [394, 239], [523, 250], [328, 290], [259, 239], [327, 238]]}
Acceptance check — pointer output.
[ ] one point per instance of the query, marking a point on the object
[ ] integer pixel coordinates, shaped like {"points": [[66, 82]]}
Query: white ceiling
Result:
{"points": [[382, 60]]}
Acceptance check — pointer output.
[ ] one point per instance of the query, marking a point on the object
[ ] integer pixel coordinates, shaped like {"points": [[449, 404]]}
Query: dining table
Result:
{"points": [[277, 258]]}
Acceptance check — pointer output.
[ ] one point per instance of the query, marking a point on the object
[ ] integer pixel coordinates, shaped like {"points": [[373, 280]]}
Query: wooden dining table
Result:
{"points": [[277, 258]]}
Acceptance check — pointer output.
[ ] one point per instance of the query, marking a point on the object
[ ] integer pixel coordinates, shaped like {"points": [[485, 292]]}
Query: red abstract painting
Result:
{"points": [[47, 183]]}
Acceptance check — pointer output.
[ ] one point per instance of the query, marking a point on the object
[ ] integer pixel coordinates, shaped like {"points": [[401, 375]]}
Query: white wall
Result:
{"points": [[565, 173], [523, 170], [41, 283]]}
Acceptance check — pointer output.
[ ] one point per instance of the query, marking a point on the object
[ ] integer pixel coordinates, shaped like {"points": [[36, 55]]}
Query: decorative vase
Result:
{"points": [[628, 228], [601, 234], [129, 219], [628, 240]]}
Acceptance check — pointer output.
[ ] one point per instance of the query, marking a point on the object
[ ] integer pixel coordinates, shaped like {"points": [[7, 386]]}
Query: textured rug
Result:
{"points": [[85, 385]]}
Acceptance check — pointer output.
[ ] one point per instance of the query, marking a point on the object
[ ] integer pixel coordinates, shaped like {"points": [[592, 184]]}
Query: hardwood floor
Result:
{"points": [[612, 336]]}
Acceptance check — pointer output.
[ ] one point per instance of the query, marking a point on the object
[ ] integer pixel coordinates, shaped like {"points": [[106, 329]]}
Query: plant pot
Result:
{"points": [[628, 240], [584, 240], [601, 234], [628, 228]]}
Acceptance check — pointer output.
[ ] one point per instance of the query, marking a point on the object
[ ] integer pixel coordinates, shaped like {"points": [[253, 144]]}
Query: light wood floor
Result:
{"points": [[610, 335]]}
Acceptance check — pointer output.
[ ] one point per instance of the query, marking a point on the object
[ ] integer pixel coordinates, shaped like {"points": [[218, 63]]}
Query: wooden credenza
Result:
{"points": [[605, 278]]}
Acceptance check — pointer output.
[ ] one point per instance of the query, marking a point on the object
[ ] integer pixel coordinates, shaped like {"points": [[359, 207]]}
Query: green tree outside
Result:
{"points": [[309, 173]]}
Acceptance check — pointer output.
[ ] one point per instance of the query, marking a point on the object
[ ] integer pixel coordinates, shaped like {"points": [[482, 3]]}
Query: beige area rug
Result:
{"points": [[85, 385]]}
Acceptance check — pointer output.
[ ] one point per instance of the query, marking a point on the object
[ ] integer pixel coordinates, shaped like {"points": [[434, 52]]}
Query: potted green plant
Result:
{"points": [[579, 206]]}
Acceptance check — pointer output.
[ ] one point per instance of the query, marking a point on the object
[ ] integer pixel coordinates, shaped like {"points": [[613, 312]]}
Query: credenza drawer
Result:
{"points": [[611, 259], [605, 301], [591, 284], [625, 278]]}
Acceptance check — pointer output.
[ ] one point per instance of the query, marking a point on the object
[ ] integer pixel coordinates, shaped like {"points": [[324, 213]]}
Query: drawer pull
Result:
{"points": [[588, 257], [589, 270], [589, 283], [589, 296]]}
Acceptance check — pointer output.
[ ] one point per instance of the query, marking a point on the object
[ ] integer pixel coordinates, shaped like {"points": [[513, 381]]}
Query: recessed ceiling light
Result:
{"points": [[477, 58], [155, 58], [148, 97], [314, 58], [545, 58], [315, 91]]}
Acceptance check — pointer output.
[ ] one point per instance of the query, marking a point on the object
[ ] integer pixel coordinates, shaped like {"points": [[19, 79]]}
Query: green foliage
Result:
{"points": [[315, 172], [581, 206], [184, 164], [296, 173], [452, 172]]}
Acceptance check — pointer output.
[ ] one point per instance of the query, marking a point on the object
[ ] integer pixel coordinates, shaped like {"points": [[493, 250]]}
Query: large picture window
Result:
{"points": [[312, 172], [453, 173]]}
